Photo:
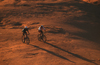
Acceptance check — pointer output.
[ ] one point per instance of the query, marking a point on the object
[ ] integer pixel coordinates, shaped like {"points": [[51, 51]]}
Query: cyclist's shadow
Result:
{"points": [[51, 52], [76, 55]]}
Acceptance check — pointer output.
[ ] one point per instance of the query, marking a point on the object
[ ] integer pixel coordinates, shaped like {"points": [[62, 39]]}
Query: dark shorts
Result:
{"points": [[40, 31], [24, 33]]}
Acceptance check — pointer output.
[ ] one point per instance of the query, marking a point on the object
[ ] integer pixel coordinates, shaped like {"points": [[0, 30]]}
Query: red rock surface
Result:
{"points": [[73, 32]]}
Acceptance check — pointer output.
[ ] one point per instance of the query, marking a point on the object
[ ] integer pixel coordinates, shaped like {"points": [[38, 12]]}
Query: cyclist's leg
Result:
{"points": [[41, 33], [23, 36], [26, 34]]}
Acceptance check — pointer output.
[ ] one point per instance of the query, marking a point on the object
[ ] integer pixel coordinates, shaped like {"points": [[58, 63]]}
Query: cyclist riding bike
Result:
{"points": [[40, 30], [25, 32]]}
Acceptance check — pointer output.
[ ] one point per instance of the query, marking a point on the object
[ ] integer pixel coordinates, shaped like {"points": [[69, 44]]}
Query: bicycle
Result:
{"points": [[26, 39], [42, 37]]}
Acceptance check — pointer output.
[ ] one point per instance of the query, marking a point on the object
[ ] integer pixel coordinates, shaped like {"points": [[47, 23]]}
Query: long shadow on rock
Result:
{"points": [[1, 23], [92, 31], [89, 8], [91, 18], [55, 30], [1, 18], [35, 23], [76, 55], [16, 28], [52, 53], [17, 24]]}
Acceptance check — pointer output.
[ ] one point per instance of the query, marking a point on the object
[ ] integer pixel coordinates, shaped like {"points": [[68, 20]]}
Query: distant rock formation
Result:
{"points": [[5, 2], [95, 2], [1, 0]]}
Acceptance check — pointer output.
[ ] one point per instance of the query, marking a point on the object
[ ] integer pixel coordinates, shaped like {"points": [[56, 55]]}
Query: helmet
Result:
{"points": [[25, 26], [41, 25]]}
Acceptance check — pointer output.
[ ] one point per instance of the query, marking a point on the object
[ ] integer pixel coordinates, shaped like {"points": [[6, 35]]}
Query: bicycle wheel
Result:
{"points": [[44, 38], [27, 40], [39, 37]]}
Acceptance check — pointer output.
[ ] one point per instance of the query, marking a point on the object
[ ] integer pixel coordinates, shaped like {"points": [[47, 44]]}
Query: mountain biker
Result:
{"points": [[40, 29], [25, 32]]}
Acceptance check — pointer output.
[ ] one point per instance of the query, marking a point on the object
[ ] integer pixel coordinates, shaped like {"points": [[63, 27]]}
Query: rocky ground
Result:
{"points": [[72, 31]]}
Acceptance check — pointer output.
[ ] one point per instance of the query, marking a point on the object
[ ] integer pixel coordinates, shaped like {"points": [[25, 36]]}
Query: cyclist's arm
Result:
{"points": [[28, 31], [23, 31], [44, 29]]}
